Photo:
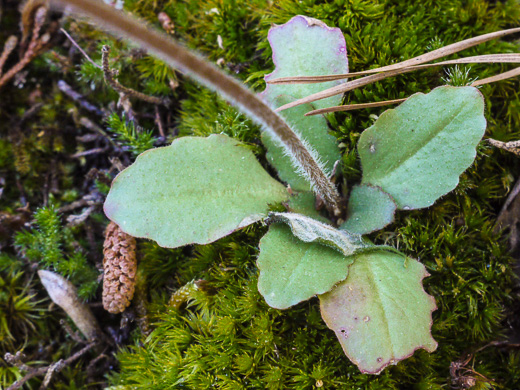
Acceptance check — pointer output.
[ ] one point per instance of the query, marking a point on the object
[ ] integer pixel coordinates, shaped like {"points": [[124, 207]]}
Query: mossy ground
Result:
{"points": [[226, 336]]}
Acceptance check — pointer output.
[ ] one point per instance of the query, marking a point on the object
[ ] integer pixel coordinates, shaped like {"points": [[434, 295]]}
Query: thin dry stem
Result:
{"points": [[9, 46], [125, 92], [510, 58], [54, 367], [43, 370], [17, 360], [498, 77], [79, 48], [36, 46], [512, 146], [351, 107], [399, 68], [208, 74], [345, 87]]}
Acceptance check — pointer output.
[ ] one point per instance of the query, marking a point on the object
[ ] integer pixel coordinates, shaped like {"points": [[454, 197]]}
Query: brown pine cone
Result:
{"points": [[120, 265]]}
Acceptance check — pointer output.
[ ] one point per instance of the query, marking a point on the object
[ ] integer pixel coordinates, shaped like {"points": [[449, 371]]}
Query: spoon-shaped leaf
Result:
{"points": [[417, 151], [380, 313], [196, 190], [304, 46], [292, 271]]}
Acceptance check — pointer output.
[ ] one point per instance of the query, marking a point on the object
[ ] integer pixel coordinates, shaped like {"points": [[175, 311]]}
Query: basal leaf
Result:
{"points": [[417, 151], [196, 190], [306, 47], [310, 230], [292, 271], [369, 209], [312, 129], [380, 313]]}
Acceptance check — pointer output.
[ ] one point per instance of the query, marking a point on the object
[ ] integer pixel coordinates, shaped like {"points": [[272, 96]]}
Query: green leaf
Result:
{"points": [[369, 209], [306, 47], [305, 203], [292, 271], [380, 313], [312, 129], [417, 151], [310, 230], [196, 190]]}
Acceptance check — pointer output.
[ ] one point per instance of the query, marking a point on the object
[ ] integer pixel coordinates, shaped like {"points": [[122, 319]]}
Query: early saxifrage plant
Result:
{"points": [[198, 189]]}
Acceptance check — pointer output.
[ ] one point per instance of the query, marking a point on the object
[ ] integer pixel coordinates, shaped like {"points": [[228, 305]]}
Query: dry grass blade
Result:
{"points": [[351, 107], [80, 49], [342, 88], [501, 76], [399, 68], [350, 85], [9, 46], [450, 49], [483, 59], [206, 73]]}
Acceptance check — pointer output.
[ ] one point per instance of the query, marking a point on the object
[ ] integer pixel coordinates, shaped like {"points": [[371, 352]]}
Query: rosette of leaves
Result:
{"points": [[198, 190]]}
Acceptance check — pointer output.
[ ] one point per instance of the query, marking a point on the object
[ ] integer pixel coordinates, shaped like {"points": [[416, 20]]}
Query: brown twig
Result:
{"points": [[91, 199], [463, 377], [17, 360], [87, 123], [9, 46], [93, 362], [75, 220], [351, 107], [80, 49], [89, 152], [36, 46], [122, 90], [43, 370], [512, 146], [73, 335], [83, 102], [54, 367], [159, 122], [499, 344]]}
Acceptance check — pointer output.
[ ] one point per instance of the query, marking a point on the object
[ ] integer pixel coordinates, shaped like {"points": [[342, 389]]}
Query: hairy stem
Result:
{"points": [[206, 73]]}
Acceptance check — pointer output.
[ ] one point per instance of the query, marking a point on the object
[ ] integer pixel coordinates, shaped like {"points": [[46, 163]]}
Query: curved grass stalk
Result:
{"points": [[506, 58], [206, 73]]}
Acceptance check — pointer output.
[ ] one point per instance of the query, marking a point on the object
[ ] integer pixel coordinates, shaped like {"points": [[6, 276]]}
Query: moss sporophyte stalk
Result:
{"points": [[201, 189]]}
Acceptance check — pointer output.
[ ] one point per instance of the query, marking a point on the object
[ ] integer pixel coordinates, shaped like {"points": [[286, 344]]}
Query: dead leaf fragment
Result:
{"points": [[64, 294]]}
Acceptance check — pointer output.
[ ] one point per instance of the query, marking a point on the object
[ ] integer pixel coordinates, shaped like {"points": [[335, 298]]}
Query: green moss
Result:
{"points": [[136, 140], [55, 248], [225, 336], [231, 339]]}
